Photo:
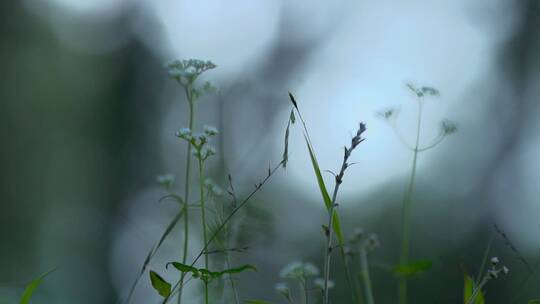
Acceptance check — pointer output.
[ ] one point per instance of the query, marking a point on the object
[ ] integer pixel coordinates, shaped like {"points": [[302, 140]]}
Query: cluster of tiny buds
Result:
{"points": [[388, 114], [448, 127], [362, 241], [189, 69], [166, 180], [494, 272], [199, 141], [422, 91], [213, 188]]}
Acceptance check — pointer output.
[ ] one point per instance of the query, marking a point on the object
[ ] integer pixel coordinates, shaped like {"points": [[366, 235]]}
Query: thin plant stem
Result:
{"points": [[303, 285], [355, 294], [485, 258], [203, 221], [355, 141], [365, 276], [328, 249], [231, 280], [258, 187], [406, 211], [187, 185]]}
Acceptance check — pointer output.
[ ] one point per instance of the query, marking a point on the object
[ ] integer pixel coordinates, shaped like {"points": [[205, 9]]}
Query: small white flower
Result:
{"points": [[184, 133], [282, 288], [505, 270], [319, 283], [165, 180], [494, 261], [210, 131], [448, 127], [213, 188], [299, 270]]}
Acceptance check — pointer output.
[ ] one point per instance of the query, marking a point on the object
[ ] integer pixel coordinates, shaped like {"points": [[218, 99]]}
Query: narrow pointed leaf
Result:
{"points": [[413, 268], [184, 267], [469, 289], [31, 288], [324, 192], [160, 285], [238, 269]]}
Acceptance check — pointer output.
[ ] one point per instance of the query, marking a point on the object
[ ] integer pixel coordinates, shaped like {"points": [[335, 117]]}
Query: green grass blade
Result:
{"points": [[324, 192], [30, 288], [469, 289]]}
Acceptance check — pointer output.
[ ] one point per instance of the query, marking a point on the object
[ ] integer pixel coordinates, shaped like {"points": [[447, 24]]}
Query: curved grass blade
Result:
{"points": [[30, 288], [469, 290], [324, 193]]}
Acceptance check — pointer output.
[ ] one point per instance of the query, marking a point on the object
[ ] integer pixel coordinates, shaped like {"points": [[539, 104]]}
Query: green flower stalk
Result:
{"points": [[446, 128], [186, 72], [202, 151]]}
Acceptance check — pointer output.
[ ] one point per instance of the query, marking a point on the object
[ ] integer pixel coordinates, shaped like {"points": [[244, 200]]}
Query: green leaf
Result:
{"points": [[183, 267], [160, 285], [237, 269], [256, 302], [30, 288], [322, 187], [537, 301], [413, 268], [469, 289]]}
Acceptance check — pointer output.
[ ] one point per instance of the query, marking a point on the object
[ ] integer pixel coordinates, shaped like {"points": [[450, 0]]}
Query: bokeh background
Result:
{"points": [[88, 116]]}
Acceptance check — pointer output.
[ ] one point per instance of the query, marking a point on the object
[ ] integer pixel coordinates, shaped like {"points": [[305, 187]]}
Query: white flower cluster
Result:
{"points": [[166, 180], [299, 270], [199, 141], [188, 69]]}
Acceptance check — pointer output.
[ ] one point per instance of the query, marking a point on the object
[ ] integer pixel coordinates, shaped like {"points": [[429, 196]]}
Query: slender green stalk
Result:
{"points": [[303, 285], [328, 251], [258, 187], [484, 259], [187, 185], [355, 293], [406, 211], [231, 281], [203, 221], [364, 265]]}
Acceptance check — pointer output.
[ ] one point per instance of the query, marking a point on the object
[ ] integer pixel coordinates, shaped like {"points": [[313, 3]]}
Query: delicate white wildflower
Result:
{"points": [[425, 90], [494, 261], [373, 241], [448, 127], [213, 188], [505, 270], [388, 114], [430, 91], [184, 133], [282, 288], [165, 180], [208, 151], [210, 131], [187, 69], [319, 283], [299, 270], [358, 233]]}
